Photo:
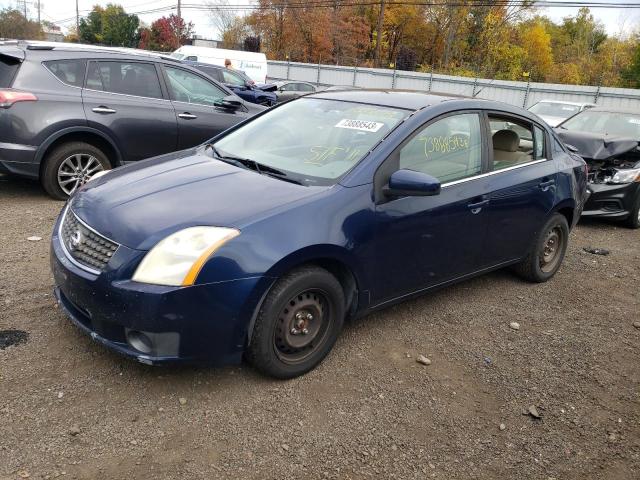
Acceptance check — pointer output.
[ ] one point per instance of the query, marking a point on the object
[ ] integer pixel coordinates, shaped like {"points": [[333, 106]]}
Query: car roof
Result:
{"points": [[563, 102], [79, 48], [406, 99], [632, 111]]}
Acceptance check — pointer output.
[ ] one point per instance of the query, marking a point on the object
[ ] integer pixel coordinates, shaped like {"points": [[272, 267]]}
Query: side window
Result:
{"points": [[128, 78], [70, 72], [191, 88], [448, 149], [557, 146], [303, 87], [192, 58], [539, 150], [512, 142], [232, 78], [289, 87]]}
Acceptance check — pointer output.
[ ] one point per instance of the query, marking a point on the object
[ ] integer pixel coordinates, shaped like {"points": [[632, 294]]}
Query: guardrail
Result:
{"points": [[523, 94]]}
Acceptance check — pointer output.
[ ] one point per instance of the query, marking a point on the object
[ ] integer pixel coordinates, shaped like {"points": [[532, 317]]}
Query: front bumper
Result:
{"points": [[199, 324], [611, 201]]}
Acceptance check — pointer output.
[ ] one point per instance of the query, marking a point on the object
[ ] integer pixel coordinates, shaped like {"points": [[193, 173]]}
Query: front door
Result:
{"points": [[125, 101], [425, 241], [194, 97]]}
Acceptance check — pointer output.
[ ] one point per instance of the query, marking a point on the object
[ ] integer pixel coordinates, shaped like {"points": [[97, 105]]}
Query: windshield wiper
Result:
{"points": [[252, 164]]}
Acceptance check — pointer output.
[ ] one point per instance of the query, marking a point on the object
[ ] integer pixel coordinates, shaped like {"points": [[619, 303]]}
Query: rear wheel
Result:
{"points": [[298, 323], [634, 218], [547, 252], [70, 166]]}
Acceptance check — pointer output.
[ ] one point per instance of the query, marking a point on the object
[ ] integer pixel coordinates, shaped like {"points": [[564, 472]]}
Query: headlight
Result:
{"points": [[177, 260], [626, 176]]}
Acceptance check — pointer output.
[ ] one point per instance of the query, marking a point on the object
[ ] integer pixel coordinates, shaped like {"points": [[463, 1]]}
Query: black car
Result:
{"points": [[608, 140], [69, 111], [290, 89], [240, 83]]}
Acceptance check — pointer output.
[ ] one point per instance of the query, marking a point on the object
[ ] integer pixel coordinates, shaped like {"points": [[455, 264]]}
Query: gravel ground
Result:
{"points": [[70, 408]]}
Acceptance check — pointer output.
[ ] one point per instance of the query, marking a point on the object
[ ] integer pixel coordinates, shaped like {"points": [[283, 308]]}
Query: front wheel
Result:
{"points": [[634, 218], [298, 323], [547, 252]]}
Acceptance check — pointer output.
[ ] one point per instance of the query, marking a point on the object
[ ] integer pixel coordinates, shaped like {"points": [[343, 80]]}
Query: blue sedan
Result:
{"points": [[262, 242]]}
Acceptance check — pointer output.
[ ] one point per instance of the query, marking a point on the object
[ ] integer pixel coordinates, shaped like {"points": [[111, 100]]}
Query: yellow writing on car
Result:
{"points": [[321, 154], [444, 144]]}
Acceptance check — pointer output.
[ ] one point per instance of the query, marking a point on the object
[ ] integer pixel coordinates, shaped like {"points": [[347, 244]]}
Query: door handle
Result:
{"points": [[544, 186], [187, 116], [103, 109], [476, 207]]}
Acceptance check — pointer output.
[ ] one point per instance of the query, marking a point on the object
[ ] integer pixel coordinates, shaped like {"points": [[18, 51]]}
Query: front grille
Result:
{"points": [[87, 247]]}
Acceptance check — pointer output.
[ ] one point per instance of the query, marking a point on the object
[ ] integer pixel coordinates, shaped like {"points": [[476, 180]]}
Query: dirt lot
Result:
{"points": [[70, 408]]}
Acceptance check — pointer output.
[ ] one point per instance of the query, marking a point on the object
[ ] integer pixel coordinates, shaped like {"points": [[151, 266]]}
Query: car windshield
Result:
{"points": [[313, 141], [552, 109], [608, 123]]}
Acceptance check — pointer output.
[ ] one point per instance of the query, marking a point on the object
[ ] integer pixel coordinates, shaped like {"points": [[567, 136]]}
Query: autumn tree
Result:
{"points": [[14, 25], [166, 34]]}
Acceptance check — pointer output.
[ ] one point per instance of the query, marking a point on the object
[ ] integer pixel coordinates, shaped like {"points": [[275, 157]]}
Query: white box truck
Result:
{"points": [[252, 63]]}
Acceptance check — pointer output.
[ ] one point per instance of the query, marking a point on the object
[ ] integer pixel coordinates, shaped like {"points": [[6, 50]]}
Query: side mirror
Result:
{"points": [[571, 148], [409, 183], [229, 102]]}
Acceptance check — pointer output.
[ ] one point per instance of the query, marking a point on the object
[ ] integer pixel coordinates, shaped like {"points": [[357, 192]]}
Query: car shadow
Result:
{"points": [[13, 187]]}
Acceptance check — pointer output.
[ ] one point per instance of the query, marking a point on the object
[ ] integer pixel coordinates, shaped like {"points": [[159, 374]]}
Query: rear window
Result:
{"points": [[70, 72], [8, 68], [129, 78]]}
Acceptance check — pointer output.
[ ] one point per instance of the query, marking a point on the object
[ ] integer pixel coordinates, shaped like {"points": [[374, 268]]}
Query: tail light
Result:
{"points": [[9, 97]]}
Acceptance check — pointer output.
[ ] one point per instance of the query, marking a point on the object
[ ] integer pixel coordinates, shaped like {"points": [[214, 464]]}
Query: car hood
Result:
{"points": [[140, 204], [594, 146]]}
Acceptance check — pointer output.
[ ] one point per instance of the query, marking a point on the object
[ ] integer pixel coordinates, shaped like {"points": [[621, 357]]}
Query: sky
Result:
{"points": [[614, 19]]}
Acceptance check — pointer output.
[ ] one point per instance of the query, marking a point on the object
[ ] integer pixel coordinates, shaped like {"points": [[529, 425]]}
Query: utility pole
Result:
{"points": [[379, 33], [38, 4], [179, 9], [77, 20]]}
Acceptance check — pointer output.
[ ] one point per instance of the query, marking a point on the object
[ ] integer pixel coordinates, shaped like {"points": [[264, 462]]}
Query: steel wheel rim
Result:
{"points": [[302, 326], [551, 249], [76, 170]]}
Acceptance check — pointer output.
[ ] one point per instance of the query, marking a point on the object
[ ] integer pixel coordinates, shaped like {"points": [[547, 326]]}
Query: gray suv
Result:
{"points": [[70, 111]]}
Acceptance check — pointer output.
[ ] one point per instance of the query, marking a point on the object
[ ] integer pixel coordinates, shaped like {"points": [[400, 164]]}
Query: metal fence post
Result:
{"points": [[526, 92], [595, 99], [475, 85], [288, 66], [430, 79], [318, 76], [393, 79], [355, 72]]}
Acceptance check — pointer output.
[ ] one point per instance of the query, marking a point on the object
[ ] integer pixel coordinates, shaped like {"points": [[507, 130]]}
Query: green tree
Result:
{"points": [[631, 74], [110, 26], [14, 25]]}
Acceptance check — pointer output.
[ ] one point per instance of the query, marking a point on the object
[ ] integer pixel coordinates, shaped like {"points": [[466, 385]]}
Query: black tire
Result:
{"points": [[55, 158], [274, 348], [547, 251], [634, 218]]}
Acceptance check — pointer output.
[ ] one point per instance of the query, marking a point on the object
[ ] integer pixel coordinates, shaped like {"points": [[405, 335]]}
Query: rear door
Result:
{"points": [[523, 186], [194, 97], [125, 100]]}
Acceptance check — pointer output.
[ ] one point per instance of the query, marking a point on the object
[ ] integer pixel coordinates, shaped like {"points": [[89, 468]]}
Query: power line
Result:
{"points": [[318, 4]]}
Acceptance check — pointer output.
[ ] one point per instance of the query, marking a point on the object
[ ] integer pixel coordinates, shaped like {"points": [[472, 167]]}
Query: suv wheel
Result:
{"points": [[70, 166]]}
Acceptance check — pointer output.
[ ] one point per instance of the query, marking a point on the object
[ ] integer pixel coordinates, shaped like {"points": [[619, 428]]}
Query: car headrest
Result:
{"points": [[506, 140]]}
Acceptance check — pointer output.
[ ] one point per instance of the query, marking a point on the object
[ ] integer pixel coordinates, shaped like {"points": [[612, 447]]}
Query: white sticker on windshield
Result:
{"points": [[363, 125], [635, 121]]}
